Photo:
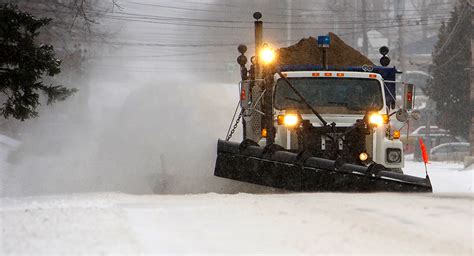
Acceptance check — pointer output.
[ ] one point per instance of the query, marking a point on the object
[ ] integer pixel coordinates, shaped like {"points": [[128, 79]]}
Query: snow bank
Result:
{"points": [[445, 177]]}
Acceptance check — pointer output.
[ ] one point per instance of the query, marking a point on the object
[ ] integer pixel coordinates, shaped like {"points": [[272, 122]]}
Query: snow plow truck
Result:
{"points": [[317, 116]]}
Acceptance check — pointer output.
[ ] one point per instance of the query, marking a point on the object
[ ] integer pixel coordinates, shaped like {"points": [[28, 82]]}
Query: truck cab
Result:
{"points": [[342, 98], [356, 105]]}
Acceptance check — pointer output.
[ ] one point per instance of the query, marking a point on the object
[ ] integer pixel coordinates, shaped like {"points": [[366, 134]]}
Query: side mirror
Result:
{"points": [[408, 96], [415, 114], [402, 115]]}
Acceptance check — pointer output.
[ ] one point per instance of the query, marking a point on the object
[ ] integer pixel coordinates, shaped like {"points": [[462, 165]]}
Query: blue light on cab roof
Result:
{"points": [[324, 40]]}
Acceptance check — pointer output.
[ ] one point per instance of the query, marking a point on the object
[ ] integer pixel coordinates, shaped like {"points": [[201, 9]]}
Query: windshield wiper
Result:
{"points": [[303, 100], [293, 99]]}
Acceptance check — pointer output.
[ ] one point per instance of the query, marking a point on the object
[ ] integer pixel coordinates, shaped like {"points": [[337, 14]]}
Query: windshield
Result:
{"points": [[330, 95]]}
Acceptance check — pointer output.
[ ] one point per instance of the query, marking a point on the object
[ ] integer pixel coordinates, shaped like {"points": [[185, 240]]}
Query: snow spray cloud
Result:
{"points": [[160, 139], [165, 136]]}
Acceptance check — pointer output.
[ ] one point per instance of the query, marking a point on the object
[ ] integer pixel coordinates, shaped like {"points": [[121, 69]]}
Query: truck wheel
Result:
{"points": [[397, 170]]}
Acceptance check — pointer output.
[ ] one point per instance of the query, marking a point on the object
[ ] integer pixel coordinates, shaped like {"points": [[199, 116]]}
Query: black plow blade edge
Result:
{"points": [[284, 170]]}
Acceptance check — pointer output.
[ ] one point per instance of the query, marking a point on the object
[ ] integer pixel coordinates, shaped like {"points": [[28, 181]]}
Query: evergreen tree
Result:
{"points": [[23, 65], [450, 87]]}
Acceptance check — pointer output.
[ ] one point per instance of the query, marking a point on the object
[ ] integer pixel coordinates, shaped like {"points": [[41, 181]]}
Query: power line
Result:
{"points": [[137, 16], [279, 9], [153, 43], [212, 44], [159, 17], [245, 27]]}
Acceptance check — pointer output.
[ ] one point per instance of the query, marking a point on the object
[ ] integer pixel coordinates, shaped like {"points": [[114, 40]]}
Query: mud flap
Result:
{"points": [[285, 170]]}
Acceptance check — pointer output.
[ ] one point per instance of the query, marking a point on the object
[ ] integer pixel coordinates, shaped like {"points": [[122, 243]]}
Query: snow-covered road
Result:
{"points": [[316, 223], [322, 223]]}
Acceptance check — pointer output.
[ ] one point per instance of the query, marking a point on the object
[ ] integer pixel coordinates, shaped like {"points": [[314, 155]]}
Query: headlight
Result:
{"points": [[289, 120], [376, 119], [394, 155], [267, 55]]}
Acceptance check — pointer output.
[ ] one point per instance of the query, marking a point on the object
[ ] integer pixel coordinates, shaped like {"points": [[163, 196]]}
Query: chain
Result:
{"points": [[229, 135]]}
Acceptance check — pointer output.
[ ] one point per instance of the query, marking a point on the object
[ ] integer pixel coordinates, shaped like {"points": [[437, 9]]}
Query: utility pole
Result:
{"points": [[353, 25], [289, 20], [469, 160], [365, 39], [472, 93], [399, 12], [424, 19]]}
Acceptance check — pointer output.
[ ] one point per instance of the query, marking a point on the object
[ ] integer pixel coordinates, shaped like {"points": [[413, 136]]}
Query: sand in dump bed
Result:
{"points": [[306, 51]]}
